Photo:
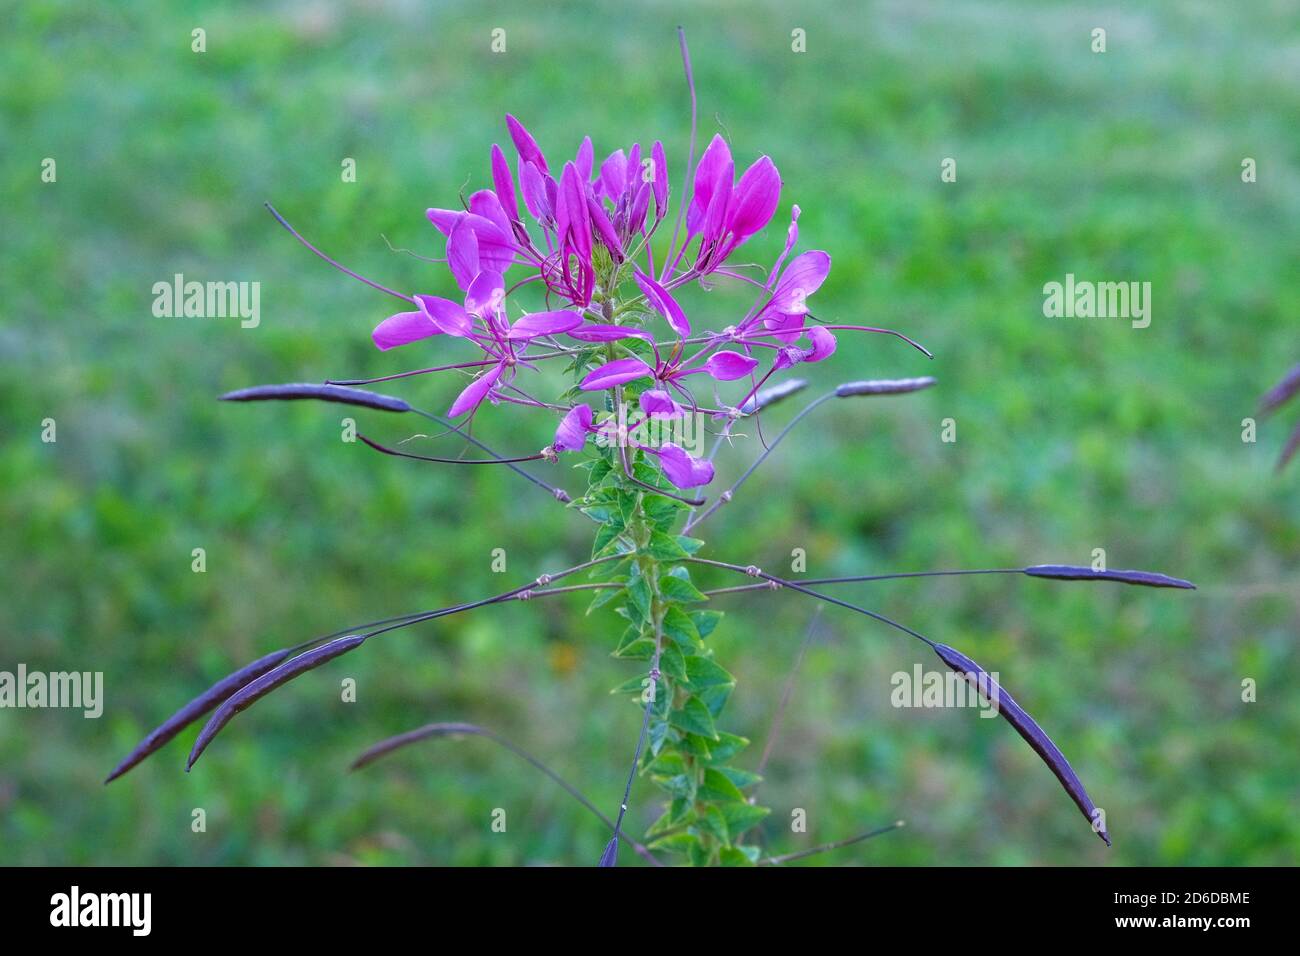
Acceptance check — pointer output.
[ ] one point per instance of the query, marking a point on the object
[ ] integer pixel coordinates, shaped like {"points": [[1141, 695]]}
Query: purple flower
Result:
{"points": [[657, 403], [573, 430], [682, 469]]}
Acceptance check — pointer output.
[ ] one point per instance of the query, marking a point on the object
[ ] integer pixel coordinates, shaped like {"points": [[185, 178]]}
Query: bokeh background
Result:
{"points": [[1072, 434]]}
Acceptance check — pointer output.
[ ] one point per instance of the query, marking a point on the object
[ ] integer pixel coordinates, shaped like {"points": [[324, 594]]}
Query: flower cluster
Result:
{"points": [[589, 246]]}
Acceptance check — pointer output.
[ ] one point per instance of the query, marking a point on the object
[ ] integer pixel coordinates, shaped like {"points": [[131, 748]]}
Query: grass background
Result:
{"points": [[1072, 434]]}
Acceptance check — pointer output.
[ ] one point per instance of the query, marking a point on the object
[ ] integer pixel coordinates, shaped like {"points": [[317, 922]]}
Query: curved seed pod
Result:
{"points": [[323, 393], [1069, 572], [1027, 728], [390, 744], [196, 708], [610, 856], [1281, 392], [884, 386], [1292, 446], [767, 397], [250, 693]]}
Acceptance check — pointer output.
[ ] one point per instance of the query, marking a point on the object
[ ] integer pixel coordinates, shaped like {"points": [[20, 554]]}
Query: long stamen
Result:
{"points": [[690, 160], [346, 271], [449, 461]]}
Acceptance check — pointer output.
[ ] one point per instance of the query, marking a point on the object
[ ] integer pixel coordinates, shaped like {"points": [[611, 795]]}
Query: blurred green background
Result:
{"points": [[1073, 434]]}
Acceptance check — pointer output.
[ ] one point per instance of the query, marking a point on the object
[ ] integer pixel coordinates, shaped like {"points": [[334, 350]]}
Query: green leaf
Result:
{"points": [[661, 511], [727, 746], [705, 621], [689, 545], [716, 786], [637, 649], [603, 597], [638, 592], [663, 547], [695, 745], [676, 589], [715, 698], [742, 816], [714, 823], [677, 843], [734, 856], [702, 672], [679, 626], [672, 663], [606, 535], [741, 778], [694, 718]]}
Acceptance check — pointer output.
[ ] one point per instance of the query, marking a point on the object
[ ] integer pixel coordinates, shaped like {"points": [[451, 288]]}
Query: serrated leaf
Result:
{"points": [[713, 823], [679, 626], [672, 663], [702, 672], [688, 544], [676, 589], [742, 816], [727, 746], [733, 856], [715, 697], [705, 621], [741, 778], [718, 787], [663, 547], [694, 718], [606, 535]]}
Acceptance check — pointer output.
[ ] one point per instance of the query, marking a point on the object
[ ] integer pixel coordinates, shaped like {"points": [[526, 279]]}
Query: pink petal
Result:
{"points": [[663, 303], [446, 316], [755, 199], [544, 323], [604, 229], [572, 433], [661, 178], [484, 295], [615, 373], [802, 277], [444, 220], [572, 218], [823, 344], [606, 333], [729, 366], [525, 144], [485, 203], [505, 186], [657, 403], [613, 174], [715, 217], [462, 252], [533, 188], [787, 328], [715, 159], [474, 392], [682, 469], [584, 159], [402, 328]]}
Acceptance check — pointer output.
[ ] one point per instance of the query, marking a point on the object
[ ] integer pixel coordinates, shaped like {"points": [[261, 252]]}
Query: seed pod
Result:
{"points": [[1281, 392], [390, 744], [249, 694], [767, 397], [1292, 446], [323, 393], [1069, 572], [196, 708], [1027, 728], [884, 386], [610, 856]]}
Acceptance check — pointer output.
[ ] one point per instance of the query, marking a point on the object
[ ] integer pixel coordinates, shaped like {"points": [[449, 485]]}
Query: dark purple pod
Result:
{"points": [[322, 393], [1027, 728], [884, 386], [1292, 446], [389, 744], [767, 397], [610, 856], [1281, 392], [1070, 572], [196, 708], [250, 693]]}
